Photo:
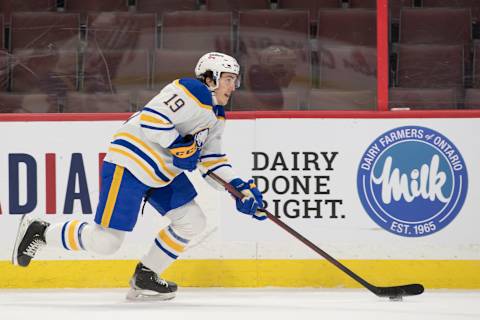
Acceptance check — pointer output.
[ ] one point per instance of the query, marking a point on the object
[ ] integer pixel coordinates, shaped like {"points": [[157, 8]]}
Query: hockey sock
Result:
{"points": [[166, 248], [67, 235]]}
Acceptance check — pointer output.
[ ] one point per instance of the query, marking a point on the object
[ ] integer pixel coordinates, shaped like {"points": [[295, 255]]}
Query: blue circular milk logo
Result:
{"points": [[412, 181]]}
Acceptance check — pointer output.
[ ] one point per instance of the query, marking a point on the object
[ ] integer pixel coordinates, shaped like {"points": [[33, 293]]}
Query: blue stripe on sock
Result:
{"points": [[63, 235], [168, 253], [176, 236], [80, 229]]}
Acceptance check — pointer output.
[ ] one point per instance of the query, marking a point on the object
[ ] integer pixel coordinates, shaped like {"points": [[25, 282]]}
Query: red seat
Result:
{"points": [[371, 4], [161, 6], [347, 67], [50, 72], [332, 99], [474, 5], [395, 6], [311, 5], [244, 100], [84, 6], [28, 103], [3, 70], [197, 30], [472, 99], [429, 25], [116, 70], [45, 30], [423, 98], [7, 7], [97, 102], [236, 5], [259, 29], [121, 30], [2, 44], [347, 27], [476, 64], [430, 66], [169, 65]]}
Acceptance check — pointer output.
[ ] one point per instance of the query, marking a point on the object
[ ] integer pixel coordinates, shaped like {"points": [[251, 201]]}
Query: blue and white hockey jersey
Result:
{"points": [[182, 107]]}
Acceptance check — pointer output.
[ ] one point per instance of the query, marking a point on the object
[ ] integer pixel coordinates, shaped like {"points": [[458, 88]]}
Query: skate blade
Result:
{"points": [[22, 228], [148, 295]]}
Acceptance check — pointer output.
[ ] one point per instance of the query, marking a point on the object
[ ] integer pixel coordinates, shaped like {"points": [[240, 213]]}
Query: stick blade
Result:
{"points": [[400, 291]]}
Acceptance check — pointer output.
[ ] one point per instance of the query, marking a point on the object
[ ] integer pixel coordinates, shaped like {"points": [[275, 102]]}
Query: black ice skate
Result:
{"points": [[145, 284], [30, 239]]}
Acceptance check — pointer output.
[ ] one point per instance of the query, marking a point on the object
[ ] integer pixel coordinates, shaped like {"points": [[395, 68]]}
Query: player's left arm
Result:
{"points": [[212, 159]]}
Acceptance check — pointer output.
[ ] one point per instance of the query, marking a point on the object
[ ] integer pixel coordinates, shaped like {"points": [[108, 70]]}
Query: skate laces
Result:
{"points": [[33, 247], [159, 280]]}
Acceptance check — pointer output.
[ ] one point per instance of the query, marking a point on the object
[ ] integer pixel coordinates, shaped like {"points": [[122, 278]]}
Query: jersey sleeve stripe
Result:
{"points": [[138, 162], [188, 93], [211, 163], [154, 120], [136, 150], [157, 113], [148, 148], [156, 128]]}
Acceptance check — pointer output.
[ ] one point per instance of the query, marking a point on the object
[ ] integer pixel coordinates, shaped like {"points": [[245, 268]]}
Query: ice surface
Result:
{"points": [[244, 304]]}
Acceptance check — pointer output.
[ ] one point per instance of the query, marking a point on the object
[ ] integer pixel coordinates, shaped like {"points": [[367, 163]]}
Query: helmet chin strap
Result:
{"points": [[212, 90], [214, 99]]}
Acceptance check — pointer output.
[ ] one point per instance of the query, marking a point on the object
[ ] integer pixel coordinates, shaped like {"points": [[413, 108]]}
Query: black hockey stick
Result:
{"points": [[394, 292]]}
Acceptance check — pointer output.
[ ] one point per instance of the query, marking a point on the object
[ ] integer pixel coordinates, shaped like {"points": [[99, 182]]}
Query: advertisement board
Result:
{"points": [[362, 189]]}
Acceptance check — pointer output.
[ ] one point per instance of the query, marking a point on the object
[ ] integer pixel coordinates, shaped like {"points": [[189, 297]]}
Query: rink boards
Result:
{"points": [[396, 199]]}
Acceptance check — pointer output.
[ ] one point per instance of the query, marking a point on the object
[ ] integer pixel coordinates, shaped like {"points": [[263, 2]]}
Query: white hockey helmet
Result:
{"points": [[217, 63]]}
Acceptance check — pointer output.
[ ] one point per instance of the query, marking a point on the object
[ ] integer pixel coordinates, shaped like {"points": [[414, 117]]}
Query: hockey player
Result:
{"points": [[179, 129]]}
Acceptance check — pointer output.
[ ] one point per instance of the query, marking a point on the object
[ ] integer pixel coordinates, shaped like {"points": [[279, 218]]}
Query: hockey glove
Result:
{"points": [[185, 153], [252, 201]]}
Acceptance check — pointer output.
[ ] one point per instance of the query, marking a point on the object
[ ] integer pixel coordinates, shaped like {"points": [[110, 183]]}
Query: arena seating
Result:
{"points": [[2, 43], [121, 30], [236, 5], [428, 25], [84, 6], [28, 103], [43, 71], [161, 6], [473, 5], [421, 98], [197, 30], [250, 100], [7, 7], [333, 99], [173, 64], [97, 102], [347, 67], [259, 29], [115, 71], [45, 30], [472, 98], [430, 66], [3, 70], [395, 6], [358, 27], [135, 47]]}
